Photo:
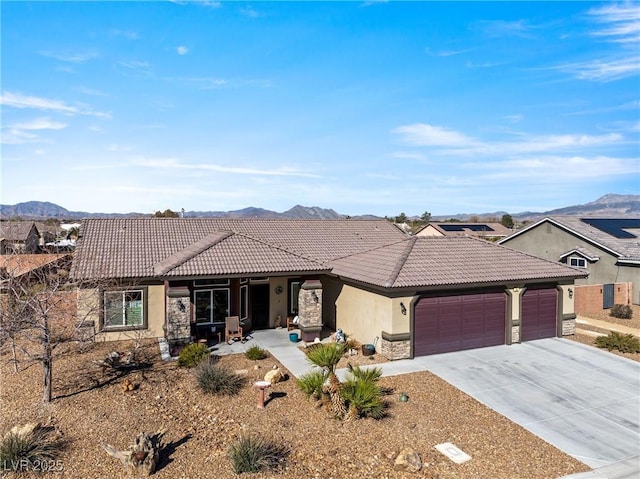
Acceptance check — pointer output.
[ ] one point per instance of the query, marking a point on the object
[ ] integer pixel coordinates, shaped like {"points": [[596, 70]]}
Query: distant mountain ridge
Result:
{"points": [[607, 205]]}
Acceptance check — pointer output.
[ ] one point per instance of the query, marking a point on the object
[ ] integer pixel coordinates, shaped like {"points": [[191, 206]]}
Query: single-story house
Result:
{"points": [[607, 248], [488, 231], [19, 237], [180, 278]]}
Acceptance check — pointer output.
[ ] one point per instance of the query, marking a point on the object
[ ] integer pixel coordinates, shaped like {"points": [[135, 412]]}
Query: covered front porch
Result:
{"points": [[197, 309]]}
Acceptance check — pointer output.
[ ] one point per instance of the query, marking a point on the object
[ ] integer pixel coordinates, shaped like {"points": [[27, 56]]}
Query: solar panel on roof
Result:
{"points": [[615, 227], [453, 227]]}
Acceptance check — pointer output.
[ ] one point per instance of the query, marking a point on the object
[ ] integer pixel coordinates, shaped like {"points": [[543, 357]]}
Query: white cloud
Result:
{"points": [[18, 100], [514, 118], [421, 134], [40, 124], [452, 142], [182, 50], [80, 57], [600, 70], [22, 133], [250, 12], [446, 53], [502, 28], [173, 164], [621, 22]]}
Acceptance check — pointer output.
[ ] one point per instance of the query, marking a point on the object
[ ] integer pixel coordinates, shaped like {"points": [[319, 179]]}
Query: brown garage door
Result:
{"points": [[539, 314], [453, 323]]}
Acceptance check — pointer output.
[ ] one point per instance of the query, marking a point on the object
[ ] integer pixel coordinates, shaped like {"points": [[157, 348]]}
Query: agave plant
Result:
{"points": [[363, 397]]}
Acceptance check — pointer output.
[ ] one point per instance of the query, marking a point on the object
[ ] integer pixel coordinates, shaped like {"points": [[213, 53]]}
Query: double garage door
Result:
{"points": [[452, 323]]}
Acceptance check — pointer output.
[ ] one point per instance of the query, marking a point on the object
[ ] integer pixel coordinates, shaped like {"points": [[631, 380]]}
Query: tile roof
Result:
{"points": [[15, 230], [19, 264], [450, 228], [144, 247], [445, 261], [626, 249]]}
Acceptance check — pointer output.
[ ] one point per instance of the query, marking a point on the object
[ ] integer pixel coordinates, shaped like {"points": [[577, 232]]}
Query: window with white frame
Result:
{"points": [[211, 305], [244, 302], [124, 309], [577, 261]]}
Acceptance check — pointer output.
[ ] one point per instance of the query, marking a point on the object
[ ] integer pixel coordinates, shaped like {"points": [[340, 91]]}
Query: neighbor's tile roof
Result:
{"points": [[443, 261], [151, 247], [447, 228], [19, 264], [15, 230], [627, 249]]}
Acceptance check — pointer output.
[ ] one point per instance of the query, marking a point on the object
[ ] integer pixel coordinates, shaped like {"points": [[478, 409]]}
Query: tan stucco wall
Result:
{"points": [[550, 242], [429, 231], [89, 310], [362, 315]]}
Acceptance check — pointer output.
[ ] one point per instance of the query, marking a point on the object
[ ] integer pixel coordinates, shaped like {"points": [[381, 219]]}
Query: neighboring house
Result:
{"points": [[19, 237], [607, 248], [487, 231], [180, 278]]}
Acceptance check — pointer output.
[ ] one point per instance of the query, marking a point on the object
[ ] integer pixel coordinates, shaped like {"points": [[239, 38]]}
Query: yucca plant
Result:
{"points": [[255, 454], [312, 382], [215, 379], [327, 356], [30, 445], [362, 395]]}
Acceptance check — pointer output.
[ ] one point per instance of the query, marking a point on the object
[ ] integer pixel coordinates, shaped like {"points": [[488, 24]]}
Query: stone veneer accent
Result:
{"points": [[395, 346], [569, 326], [310, 310], [515, 334], [178, 327]]}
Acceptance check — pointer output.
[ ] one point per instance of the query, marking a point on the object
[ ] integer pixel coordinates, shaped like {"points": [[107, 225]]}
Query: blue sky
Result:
{"points": [[363, 107]]}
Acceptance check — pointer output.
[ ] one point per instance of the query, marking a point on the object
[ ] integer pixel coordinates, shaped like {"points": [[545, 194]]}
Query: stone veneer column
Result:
{"points": [[177, 326], [310, 310]]}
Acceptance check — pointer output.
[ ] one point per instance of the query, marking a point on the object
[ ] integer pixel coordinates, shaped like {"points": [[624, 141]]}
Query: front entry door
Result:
{"points": [[259, 295]]}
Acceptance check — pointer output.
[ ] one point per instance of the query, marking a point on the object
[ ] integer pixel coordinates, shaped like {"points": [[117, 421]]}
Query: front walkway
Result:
{"points": [[620, 328]]}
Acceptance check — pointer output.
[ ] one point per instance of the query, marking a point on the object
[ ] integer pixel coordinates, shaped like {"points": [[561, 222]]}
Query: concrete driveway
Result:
{"points": [[584, 401]]}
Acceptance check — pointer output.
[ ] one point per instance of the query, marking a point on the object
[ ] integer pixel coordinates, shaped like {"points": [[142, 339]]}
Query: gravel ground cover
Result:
{"points": [[90, 409], [604, 315]]}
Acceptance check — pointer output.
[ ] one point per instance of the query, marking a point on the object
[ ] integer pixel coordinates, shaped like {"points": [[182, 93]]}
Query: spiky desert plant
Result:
{"points": [[30, 445], [363, 397], [327, 356], [311, 383], [255, 454], [255, 353], [625, 343], [216, 379]]}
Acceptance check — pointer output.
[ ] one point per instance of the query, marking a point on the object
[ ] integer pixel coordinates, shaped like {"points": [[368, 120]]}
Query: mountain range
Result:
{"points": [[607, 205]]}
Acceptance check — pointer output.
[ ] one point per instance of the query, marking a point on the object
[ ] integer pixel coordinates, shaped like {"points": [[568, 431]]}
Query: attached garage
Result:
{"points": [[539, 314], [452, 323]]}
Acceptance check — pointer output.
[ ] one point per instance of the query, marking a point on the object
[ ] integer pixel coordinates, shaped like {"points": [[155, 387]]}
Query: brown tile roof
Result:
{"points": [[444, 261], [482, 230], [627, 248], [19, 264], [144, 247], [15, 230]]}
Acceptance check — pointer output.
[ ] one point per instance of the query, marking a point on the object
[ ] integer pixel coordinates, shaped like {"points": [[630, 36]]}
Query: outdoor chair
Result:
{"points": [[292, 323], [232, 328]]}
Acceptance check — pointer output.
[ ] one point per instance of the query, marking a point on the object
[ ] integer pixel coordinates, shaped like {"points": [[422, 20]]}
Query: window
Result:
{"points": [[244, 302], [211, 282], [579, 262], [294, 291], [212, 305], [124, 309]]}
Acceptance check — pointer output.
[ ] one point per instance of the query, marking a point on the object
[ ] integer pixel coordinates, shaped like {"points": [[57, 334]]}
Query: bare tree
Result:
{"points": [[34, 297]]}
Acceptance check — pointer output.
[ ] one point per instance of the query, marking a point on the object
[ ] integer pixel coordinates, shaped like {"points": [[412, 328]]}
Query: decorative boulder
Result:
{"points": [[274, 376], [408, 460]]}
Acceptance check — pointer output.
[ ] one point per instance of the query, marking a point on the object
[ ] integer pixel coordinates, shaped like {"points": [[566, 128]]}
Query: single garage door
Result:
{"points": [[539, 314], [452, 323]]}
